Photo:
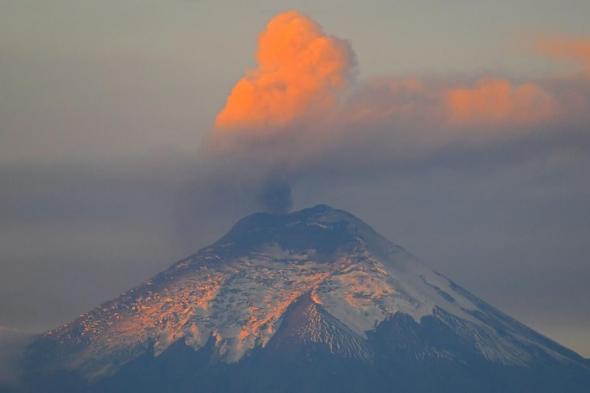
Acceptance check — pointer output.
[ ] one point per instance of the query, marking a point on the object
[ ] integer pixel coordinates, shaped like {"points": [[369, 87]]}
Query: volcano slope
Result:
{"points": [[311, 301]]}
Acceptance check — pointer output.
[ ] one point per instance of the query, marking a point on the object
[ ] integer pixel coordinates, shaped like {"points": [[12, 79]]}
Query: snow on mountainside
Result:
{"points": [[316, 276]]}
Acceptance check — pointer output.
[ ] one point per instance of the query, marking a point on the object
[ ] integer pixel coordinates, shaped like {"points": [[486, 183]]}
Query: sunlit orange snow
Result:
{"points": [[300, 70]]}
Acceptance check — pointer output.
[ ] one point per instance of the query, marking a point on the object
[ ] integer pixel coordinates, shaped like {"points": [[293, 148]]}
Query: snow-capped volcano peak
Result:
{"points": [[321, 229], [318, 277]]}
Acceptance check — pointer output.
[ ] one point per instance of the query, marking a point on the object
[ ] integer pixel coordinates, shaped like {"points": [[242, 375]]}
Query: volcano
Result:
{"points": [[311, 301]]}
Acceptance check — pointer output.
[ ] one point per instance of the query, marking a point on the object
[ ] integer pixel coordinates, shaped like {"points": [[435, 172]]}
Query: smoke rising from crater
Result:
{"points": [[300, 114], [276, 196]]}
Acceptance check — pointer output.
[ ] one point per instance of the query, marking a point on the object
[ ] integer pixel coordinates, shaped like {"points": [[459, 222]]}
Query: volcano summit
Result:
{"points": [[311, 301]]}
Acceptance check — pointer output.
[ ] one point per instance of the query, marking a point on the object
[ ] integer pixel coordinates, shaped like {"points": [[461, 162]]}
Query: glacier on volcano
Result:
{"points": [[313, 284]]}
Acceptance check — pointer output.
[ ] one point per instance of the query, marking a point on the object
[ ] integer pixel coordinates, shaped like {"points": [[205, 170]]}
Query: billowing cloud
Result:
{"points": [[299, 114], [300, 71], [568, 48]]}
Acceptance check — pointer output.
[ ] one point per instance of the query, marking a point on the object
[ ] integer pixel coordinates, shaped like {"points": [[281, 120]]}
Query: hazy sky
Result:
{"points": [[104, 106]]}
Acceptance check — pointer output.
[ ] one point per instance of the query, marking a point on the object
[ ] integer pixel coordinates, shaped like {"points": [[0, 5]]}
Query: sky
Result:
{"points": [[134, 132]]}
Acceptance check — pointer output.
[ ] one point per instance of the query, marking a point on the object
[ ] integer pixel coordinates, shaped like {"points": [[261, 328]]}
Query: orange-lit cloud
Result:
{"points": [[497, 102], [574, 49], [438, 104], [293, 117], [294, 110], [300, 71]]}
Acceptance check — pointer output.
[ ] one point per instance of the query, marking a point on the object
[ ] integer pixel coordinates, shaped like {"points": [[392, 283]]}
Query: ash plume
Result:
{"points": [[276, 196]]}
